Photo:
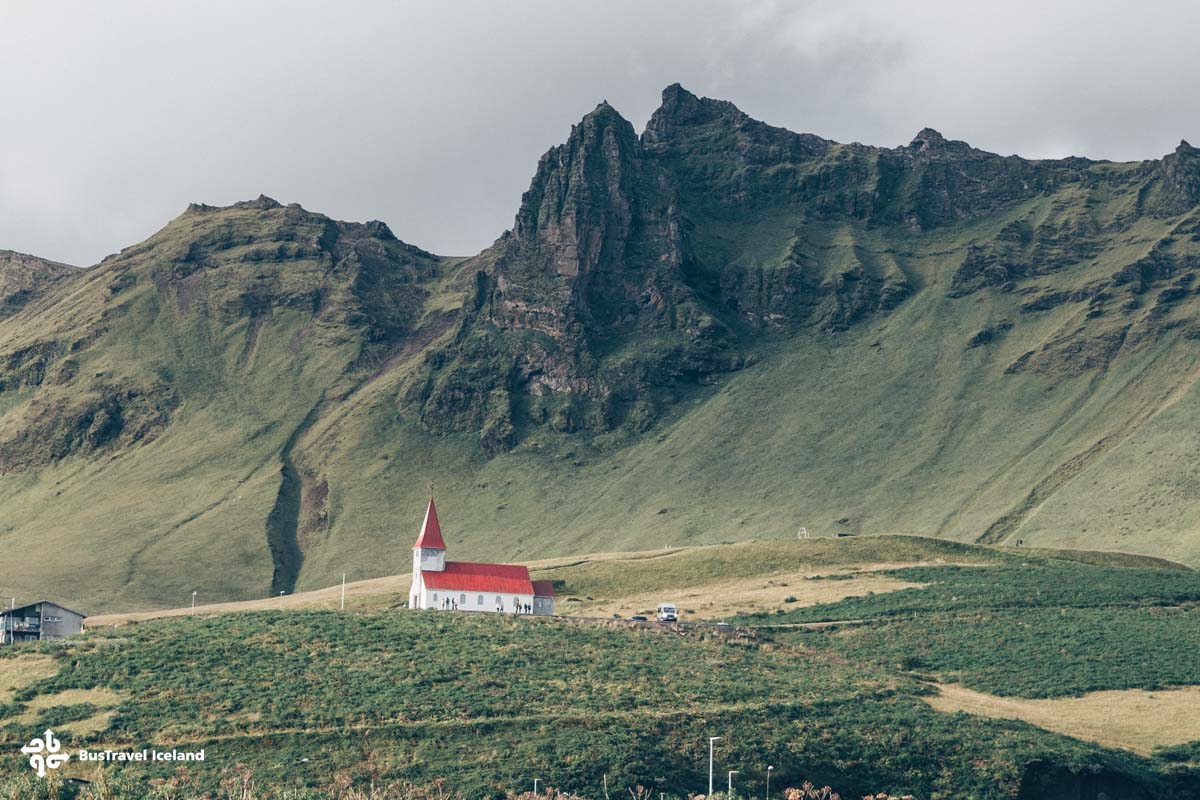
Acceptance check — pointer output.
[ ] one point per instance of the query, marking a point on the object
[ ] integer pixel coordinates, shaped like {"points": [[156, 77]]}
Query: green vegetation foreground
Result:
{"points": [[487, 704]]}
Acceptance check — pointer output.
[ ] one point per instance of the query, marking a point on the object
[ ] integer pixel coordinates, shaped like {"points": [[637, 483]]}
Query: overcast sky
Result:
{"points": [[431, 116]]}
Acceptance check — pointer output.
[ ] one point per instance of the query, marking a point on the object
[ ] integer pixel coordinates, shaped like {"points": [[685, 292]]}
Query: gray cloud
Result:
{"points": [[431, 116]]}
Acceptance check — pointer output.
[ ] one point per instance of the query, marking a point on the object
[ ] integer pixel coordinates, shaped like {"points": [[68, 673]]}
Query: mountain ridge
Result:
{"points": [[715, 329]]}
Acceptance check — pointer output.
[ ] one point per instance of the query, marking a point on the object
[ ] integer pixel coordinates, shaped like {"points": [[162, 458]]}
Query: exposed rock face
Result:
{"points": [[107, 418], [639, 265], [1179, 173], [585, 306], [595, 235]]}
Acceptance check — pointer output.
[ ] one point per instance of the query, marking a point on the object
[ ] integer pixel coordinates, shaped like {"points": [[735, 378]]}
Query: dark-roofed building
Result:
{"points": [[467, 585], [37, 621]]}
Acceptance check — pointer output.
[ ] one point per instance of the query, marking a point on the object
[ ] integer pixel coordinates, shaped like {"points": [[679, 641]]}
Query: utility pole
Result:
{"points": [[729, 791], [711, 739], [344, 608]]}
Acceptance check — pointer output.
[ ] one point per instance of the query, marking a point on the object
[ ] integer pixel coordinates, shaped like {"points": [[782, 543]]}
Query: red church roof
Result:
{"points": [[431, 531], [468, 576]]}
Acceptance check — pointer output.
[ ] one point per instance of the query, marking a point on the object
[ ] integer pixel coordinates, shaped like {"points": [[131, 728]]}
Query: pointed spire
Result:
{"points": [[431, 530]]}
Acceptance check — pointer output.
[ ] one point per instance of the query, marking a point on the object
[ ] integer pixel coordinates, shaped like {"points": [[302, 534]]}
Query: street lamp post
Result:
{"points": [[769, 768], [535, 783], [711, 739], [729, 791], [193, 601]]}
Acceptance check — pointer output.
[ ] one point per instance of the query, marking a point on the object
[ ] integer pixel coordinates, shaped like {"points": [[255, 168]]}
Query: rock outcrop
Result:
{"points": [[23, 278]]}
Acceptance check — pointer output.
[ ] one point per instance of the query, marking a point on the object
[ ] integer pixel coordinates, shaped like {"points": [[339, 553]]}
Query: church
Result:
{"points": [[444, 585]]}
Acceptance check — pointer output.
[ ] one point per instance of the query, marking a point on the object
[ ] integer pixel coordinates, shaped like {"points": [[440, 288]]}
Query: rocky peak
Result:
{"points": [[580, 204], [927, 139], [680, 110], [932, 143], [261, 203], [1180, 173], [677, 101]]}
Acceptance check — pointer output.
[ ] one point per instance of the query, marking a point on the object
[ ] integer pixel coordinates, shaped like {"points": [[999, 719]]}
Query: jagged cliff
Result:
{"points": [[715, 329]]}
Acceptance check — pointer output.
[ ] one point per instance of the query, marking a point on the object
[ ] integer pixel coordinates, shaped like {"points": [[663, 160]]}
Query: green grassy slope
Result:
{"points": [[487, 704], [778, 332], [238, 342], [893, 427]]}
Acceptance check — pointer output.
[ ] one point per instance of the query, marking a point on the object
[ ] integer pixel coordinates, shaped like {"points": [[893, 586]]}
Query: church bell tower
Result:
{"points": [[429, 553]]}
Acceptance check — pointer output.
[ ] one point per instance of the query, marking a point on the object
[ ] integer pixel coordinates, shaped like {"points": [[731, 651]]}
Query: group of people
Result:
{"points": [[450, 604]]}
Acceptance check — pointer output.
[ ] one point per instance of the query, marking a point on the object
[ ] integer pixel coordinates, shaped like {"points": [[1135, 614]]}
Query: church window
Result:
{"points": [[480, 602], [435, 597], [462, 599]]}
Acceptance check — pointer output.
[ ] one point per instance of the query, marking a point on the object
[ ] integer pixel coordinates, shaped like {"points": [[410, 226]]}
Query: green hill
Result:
{"points": [[712, 331], [483, 704]]}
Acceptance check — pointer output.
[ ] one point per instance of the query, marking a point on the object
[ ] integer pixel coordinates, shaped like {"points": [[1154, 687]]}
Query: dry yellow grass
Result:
{"points": [[25, 670], [368, 594], [374, 593], [100, 697], [743, 595], [93, 724], [1131, 719], [711, 600], [36, 669]]}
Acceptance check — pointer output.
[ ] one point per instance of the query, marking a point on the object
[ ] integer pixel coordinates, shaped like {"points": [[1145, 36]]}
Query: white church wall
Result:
{"points": [[487, 602]]}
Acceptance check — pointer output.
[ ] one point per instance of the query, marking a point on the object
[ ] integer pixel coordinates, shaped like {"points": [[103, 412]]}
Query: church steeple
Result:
{"points": [[429, 553], [430, 537]]}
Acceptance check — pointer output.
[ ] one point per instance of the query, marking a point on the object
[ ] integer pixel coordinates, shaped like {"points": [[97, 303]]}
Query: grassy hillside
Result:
{"points": [[490, 704], [24, 278], [717, 331], [709, 582], [305, 698]]}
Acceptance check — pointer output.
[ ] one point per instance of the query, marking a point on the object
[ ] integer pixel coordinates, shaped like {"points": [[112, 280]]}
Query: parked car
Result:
{"points": [[668, 613], [636, 618]]}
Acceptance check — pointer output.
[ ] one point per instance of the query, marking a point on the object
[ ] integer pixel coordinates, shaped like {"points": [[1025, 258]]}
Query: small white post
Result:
{"points": [[281, 599], [711, 739], [343, 591], [193, 601]]}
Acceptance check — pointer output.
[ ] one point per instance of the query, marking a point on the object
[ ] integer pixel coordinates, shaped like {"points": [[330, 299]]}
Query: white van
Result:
{"points": [[668, 613]]}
